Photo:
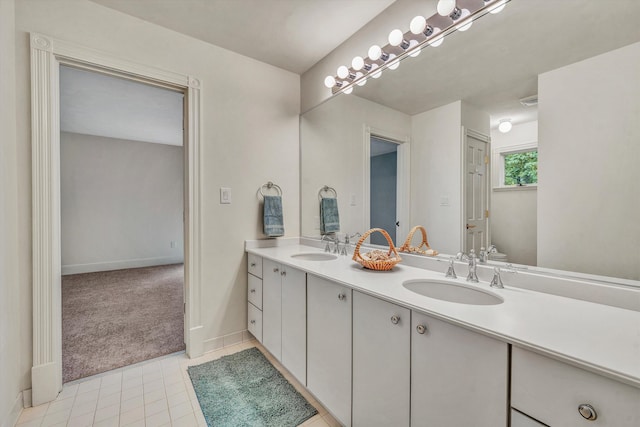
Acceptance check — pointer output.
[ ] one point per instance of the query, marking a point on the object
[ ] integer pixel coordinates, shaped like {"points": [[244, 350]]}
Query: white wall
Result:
{"points": [[121, 203], [13, 348], [436, 174], [333, 154], [514, 212], [250, 134], [589, 192]]}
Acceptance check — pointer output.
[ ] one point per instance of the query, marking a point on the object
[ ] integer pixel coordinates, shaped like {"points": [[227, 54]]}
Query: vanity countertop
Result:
{"points": [[597, 337]]}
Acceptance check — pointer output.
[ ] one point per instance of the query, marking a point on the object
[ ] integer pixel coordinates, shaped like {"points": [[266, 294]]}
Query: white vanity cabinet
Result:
{"points": [[329, 345], [283, 315], [561, 395], [458, 377], [381, 362]]}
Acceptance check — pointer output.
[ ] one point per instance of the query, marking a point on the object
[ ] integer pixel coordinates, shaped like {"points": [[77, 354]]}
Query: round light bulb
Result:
{"points": [[343, 72], [357, 63], [505, 125], [413, 44], [393, 63], [329, 82], [375, 52], [466, 25], [437, 39], [497, 7], [348, 90], [418, 24], [445, 7], [361, 82], [395, 37], [377, 73]]}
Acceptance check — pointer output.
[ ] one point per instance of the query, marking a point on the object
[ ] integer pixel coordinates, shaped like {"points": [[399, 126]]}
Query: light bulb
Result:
{"points": [[375, 52], [416, 52], [330, 82], [393, 63], [466, 25], [343, 72], [418, 24], [357, 63], [437, 39], [505, 125], [445, 7], [377, 73], [361, 82], [348, 90], [396, 37], [497, 7]]}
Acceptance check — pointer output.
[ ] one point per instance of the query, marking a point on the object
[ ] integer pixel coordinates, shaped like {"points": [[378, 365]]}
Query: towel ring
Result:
{"points": [[270, 185], [327, 189]]}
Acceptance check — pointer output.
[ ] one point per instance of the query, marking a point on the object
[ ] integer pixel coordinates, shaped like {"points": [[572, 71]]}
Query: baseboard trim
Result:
{"points": [[217, 343], [44, 379], [13, 415], [120, 265]]}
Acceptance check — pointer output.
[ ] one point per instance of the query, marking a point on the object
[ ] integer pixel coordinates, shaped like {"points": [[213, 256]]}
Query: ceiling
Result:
{"points": [[290, 34]]}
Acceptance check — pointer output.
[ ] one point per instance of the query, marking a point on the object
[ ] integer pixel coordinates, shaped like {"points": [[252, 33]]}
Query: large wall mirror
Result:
{"points": [[559, 191]]}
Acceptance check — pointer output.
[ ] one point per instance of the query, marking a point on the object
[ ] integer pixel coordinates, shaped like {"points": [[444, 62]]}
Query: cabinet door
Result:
{"points": [[329, 346], [294, 322], [458, 377], [272, 308], [381, 362]]}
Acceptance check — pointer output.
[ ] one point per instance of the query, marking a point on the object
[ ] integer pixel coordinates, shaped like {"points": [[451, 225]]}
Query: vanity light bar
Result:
{"points": [[453, 15]]}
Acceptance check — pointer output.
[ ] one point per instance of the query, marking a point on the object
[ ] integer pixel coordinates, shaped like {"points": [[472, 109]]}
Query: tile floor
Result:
{"points": [[153, 393]]}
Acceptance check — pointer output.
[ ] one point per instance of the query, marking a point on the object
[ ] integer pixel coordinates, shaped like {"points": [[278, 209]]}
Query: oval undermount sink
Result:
{"points": [[452, 292], [315, 256]]}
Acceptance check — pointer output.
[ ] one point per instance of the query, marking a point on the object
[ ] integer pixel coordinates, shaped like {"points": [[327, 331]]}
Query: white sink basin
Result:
{"points": [[452, 292], [315, 256]]}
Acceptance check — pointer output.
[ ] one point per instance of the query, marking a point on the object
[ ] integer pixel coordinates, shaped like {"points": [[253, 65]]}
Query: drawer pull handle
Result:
{"points": [[253, 264], [253, 322], [253, 291], [421, 329], [395, 319], [275, 270], [342, 297], [588, 412]]}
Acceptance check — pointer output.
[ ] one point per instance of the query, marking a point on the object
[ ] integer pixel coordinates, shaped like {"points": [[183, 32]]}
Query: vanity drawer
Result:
{"points": [[254, 291], [254, 321], [254, 265], [552, 391]]}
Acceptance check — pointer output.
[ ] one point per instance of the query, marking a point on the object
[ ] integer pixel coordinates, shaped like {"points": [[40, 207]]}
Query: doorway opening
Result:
{"points": [[383, 167], [475, 199], [122, 231]]}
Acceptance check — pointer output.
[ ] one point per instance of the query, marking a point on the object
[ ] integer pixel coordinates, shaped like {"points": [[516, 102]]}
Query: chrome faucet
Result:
{"points": [[347, 240], [473, 264], [496, 282], [331, 239], [451, 272], [483, 256]]}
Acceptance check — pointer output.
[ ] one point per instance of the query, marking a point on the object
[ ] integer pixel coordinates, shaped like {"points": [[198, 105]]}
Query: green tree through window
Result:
{"points": [[521, 168]]}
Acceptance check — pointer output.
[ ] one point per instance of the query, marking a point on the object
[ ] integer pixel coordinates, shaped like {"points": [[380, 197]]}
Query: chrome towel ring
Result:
{"points": [[270, 186], [327, 189]]}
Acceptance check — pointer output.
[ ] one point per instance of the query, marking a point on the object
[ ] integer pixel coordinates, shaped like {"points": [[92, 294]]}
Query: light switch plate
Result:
{"points": [[225, 196]]}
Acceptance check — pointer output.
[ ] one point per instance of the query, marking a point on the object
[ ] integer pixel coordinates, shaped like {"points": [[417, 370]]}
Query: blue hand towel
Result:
{"points": [[329, 217], [272, 216]]}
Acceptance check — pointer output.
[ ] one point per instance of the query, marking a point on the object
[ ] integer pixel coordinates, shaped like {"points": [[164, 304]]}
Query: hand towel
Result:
{"points": [[272, 216], [329, 217]]}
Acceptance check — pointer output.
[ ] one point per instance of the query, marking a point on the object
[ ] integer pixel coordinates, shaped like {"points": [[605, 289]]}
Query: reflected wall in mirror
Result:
{"points": [[581, 60]]}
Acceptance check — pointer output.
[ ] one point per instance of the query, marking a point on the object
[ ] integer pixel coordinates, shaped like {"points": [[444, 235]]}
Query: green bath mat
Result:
{"points": [[244, 389]]}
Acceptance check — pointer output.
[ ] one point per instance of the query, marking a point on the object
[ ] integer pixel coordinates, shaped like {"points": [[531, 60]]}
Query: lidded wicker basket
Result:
{"points": [[370, 260], [423, 248]]}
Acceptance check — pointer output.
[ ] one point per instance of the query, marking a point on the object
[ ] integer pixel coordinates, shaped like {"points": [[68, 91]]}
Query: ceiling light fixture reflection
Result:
{"points": [[505, 125], [422, 32]]}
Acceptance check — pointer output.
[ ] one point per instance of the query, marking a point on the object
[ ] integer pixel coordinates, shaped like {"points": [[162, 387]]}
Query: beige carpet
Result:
{"points": [[116, 318]]}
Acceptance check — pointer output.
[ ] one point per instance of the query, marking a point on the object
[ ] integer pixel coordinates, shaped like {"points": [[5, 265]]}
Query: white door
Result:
{"points": [[272, 308], [329, 346], [381, 362], [458, 377], [294, 322], [476, 191]]}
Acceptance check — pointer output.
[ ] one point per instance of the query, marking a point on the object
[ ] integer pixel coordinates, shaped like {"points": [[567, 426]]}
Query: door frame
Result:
{"points": [[47, 54], [403, 186], [463, 184]]}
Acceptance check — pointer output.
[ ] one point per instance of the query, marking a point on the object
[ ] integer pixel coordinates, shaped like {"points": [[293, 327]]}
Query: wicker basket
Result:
{"points": [[380, 265], [423, 248]]}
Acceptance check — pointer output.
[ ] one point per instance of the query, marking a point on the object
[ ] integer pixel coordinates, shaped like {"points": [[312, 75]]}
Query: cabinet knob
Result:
{"points": [[342, 297], [283, 273], [253, 322], [275, 270], [253, 264], [587, 411], [253, 291], [395, 319], [421, 329]]}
